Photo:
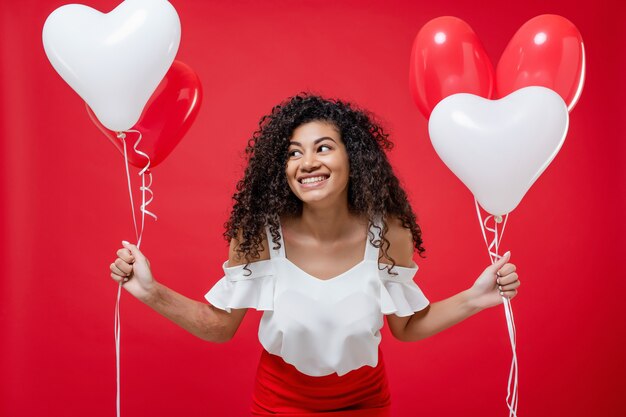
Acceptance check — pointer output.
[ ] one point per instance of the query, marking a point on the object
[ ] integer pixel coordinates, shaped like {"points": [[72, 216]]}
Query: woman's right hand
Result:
{"points": [[132, 269]]}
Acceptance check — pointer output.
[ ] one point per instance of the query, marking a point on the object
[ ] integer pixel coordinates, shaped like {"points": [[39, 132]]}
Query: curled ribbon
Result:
{"points": [[138, 235], [493, 247]]}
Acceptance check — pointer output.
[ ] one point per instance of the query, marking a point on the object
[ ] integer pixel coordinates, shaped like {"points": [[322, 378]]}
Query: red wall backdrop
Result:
{"points": [[65, 210]]}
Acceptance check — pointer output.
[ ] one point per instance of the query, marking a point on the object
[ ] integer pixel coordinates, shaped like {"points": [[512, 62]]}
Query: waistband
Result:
{"points": [[280, 389]]}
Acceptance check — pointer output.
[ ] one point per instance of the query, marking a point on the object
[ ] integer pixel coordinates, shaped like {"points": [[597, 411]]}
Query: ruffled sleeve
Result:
{"points": [[399, 294], [244, 288]]}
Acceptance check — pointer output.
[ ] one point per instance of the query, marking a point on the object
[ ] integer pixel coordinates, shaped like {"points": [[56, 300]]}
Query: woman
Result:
{"points": [[321, 239]]}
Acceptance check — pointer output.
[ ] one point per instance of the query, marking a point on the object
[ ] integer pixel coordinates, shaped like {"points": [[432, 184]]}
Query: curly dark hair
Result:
{"points": [[263, 195]]}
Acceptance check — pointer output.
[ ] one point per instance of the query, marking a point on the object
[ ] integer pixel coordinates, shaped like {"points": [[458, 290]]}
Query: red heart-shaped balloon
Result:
{"points": [[448, 58], [547, 51], [166, 118]]}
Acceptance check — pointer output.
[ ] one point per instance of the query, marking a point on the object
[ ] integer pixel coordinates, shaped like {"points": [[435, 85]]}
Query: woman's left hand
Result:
{"points": [[497, 281]]}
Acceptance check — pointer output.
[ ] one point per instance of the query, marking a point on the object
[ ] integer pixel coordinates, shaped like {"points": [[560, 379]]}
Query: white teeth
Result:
{"points": [[312, 180]]}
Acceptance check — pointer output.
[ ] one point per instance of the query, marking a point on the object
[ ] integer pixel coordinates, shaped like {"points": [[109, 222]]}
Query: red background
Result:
{"points": [[65, 210]]}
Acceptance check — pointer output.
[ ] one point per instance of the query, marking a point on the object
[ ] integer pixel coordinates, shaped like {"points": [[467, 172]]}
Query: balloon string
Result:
{"points": [[117, 322], [495, 243], [118, 329], [493, 248], [138, 235], [122, 137], [144, 188]]}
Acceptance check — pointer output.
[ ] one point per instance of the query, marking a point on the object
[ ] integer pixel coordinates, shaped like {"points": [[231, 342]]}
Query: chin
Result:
{"points": [[321, 199], [312, 199]]}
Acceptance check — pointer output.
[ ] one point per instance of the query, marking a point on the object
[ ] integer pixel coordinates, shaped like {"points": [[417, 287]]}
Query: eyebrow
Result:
{"points": [[293, 142]]}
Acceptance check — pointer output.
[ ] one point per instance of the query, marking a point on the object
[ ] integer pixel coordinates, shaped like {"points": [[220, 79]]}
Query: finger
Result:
{"points": [[125, 255], [134, 250], [507, 269], [123, 266], [509, 287], [118, 278], [117, 271], [508, 279], [499, 263], [509, 294]]}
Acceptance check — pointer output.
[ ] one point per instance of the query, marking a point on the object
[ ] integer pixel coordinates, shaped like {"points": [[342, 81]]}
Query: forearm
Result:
{"points": [[439, 316], [199, 319]]}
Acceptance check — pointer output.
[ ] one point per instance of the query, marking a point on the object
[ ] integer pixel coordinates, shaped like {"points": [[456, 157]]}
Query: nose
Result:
{"points": [[309, 162]]}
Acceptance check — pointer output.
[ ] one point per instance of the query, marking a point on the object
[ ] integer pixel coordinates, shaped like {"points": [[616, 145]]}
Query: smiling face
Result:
{"points": [[317, 166]]}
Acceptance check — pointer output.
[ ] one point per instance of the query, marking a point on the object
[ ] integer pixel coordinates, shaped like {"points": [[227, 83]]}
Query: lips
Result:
{"points": [[312, 179]]}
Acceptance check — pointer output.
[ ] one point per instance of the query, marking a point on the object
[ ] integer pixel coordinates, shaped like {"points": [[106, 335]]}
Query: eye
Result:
{"points": [[324, 148], [294, 153]]}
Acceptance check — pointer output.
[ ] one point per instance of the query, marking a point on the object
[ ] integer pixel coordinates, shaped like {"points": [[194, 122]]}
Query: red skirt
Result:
{"points": [[280, 389]]}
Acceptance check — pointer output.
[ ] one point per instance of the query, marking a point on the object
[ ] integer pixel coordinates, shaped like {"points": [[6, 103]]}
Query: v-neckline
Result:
{"points": [[325, 279], [333, 278]]}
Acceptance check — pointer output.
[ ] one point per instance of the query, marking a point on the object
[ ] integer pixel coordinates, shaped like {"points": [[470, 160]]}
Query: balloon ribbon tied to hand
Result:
{"points": [[138, 235], [493, 248]]}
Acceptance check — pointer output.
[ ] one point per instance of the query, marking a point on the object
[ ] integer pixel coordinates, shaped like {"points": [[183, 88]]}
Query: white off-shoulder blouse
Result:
{"points": [[320, 326]]}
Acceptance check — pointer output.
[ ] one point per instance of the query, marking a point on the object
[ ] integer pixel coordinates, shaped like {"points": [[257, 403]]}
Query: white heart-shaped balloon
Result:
{"points": [[498, 148], [114, 61]]}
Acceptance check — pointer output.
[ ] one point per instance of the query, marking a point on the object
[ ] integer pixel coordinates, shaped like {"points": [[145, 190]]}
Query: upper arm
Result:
{"points": [[400, 244], [234, 258], [397, 325], [401, 249], [230, 322]]}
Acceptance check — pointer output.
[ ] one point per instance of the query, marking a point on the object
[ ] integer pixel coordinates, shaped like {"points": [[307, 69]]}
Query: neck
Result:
{"points": [[326, 223]]}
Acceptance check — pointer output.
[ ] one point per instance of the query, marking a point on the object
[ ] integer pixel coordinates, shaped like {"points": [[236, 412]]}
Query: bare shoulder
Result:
{"points": [[234, 257], [401, 243]]}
